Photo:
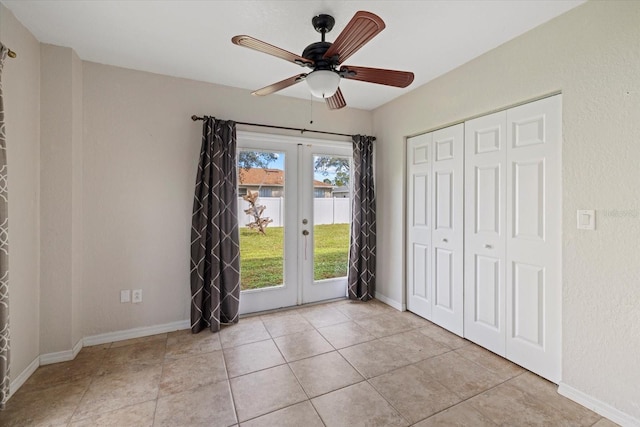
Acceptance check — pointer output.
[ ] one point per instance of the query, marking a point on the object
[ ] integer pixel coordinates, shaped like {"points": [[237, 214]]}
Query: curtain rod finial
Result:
{"points": [[194, 117]]}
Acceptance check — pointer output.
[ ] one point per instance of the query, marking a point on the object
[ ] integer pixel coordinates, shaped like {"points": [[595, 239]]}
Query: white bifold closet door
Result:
{"points": [[485, 202], [435, 219], [513, 283]]}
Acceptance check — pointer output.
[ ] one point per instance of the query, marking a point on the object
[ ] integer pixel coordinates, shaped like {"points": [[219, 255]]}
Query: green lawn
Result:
{"points": [[261, 255]]}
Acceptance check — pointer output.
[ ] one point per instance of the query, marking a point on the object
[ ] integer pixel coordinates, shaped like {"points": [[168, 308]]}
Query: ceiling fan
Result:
{"points": [[325, 59]]}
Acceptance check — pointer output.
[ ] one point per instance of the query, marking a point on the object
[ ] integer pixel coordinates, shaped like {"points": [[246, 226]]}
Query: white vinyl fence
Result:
{"points": [[325, 211]]}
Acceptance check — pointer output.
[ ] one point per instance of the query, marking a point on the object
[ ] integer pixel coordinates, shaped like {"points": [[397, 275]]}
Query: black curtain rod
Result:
{"points": [[195, 118]]}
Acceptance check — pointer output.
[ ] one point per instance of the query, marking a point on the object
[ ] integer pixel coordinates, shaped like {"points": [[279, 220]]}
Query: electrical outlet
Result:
{"points": [[125, 295], [137, 296]]}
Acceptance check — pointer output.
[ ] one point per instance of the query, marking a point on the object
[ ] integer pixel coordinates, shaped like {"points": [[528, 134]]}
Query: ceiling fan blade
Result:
{"points": [[377, 75], [363, 27], [260, 46], [267, 90], [336, 101]]}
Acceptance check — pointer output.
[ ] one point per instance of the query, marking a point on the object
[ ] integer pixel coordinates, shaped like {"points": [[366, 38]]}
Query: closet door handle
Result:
{"points": [[488, 246], [445, 240]]}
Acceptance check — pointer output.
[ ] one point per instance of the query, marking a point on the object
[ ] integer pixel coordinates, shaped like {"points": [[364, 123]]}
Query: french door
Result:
{"points": [[294, 217]]}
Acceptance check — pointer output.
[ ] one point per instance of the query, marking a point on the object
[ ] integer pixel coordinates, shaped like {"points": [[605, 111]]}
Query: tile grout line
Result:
{"points": [[164, 359]]}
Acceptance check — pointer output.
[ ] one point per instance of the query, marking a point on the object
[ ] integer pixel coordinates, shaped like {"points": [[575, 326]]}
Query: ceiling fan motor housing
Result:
{"points": [[315, 52]]}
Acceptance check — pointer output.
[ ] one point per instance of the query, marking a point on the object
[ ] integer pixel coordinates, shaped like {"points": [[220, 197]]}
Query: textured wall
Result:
{"points": [[140, 156], [592, 55], [21, 85]]}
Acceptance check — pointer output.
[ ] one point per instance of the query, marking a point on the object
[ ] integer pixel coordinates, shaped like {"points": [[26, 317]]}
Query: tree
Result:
{"points": [[255, 159], [338, 167]]}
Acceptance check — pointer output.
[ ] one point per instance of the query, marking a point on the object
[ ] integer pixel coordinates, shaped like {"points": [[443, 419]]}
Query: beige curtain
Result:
{"points": [[362, 253], [215, 238], [4, 252]]}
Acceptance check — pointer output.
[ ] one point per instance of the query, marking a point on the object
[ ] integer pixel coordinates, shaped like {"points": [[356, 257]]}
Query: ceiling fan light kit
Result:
{"points": [[324, 58], [323, 83]]}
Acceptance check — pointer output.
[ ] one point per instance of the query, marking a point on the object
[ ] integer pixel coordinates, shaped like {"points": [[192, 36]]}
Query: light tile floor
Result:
{"points": [[336, 364]]}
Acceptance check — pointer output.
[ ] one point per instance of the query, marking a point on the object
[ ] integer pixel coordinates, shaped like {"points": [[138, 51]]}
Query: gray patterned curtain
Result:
{"points": [[362, 253], [4, 252], [215, 245]]}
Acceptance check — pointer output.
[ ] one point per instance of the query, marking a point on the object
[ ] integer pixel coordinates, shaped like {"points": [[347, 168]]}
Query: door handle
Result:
{"points": [[488, 246], [445, 240]]}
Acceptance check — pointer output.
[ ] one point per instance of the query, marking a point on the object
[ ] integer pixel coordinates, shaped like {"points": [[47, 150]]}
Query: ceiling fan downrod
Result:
{"points": [[323, 24]]}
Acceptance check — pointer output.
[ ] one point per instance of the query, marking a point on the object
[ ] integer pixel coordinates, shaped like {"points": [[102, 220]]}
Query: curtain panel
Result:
{"points": [[4, 252], [362, 252], [215, 246]]}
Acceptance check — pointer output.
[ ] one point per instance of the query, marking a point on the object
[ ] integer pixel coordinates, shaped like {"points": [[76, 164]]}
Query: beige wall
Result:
{"points": [[592, 55], [61, 198], [76, 198], [21, 85], [140, 157]]}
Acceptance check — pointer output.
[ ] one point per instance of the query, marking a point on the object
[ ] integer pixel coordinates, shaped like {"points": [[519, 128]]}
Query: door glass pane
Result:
{"points": [[331, 216], [261, 184]]}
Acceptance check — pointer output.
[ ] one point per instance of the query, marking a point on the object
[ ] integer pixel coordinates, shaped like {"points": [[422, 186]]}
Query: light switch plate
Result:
{"points": [[125, 295], [586, 219]]}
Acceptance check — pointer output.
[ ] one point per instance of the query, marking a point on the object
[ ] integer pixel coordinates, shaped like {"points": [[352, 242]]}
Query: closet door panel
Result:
{"points": [[534, 198], [419, 251], [487, 291], [443, 271], [485, 187], [448, 228]]}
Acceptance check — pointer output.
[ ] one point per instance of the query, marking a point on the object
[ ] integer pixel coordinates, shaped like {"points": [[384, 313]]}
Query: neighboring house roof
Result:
{"points": [[270, 177]]}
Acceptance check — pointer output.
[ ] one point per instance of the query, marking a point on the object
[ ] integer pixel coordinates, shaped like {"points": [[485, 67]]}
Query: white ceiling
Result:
{"points": [[192, 39]]}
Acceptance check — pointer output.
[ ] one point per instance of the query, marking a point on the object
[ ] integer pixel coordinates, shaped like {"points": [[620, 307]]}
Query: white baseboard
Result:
{"points": [[390, 302], [144, 331], [64, 356], [598, 406], [24, 376], [61, 356]]}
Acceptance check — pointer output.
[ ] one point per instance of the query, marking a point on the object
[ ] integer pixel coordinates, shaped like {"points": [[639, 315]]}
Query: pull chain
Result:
{"points": [[311, 109]]}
